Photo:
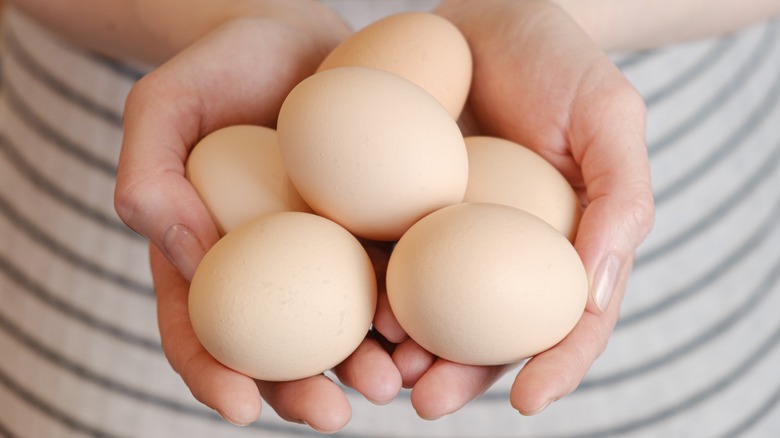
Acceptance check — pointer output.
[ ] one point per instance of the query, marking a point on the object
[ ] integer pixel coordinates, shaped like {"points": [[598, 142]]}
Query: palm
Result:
{"points": [[240, 73], [539, 81]]}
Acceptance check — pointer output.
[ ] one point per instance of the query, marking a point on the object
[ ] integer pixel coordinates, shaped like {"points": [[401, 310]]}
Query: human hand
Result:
{"points": [[239, 73], [540, 81]]}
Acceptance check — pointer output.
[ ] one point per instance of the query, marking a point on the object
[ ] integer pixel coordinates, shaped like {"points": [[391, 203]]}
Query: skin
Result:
{"points": [[540, 79], [166, 113], [641, 24], [565, 111]]}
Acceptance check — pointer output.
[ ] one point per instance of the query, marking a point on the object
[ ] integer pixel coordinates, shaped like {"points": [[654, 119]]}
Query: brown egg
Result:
{"points": [[504, 172], [485, 284], [371, 150], [283, 297], [424, 48], [238, 173]]}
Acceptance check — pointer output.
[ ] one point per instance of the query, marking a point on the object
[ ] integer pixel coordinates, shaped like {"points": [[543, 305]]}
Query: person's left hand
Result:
{"points": [[240, 73], [541, 82]]}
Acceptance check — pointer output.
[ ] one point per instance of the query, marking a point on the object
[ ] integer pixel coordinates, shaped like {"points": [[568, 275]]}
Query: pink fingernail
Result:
{"points": [[183, 250], [605, 281], [538, 410], [233, 422]]}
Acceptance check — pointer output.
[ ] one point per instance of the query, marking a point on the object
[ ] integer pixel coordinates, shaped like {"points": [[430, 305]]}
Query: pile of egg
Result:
{"points": [[483, 271]]}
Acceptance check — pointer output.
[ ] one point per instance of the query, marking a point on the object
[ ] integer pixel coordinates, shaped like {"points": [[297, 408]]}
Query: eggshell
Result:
{"points": [[238, 173], [485, 284], [504, 172], [424, 48], [371, 150], [283, 297]]}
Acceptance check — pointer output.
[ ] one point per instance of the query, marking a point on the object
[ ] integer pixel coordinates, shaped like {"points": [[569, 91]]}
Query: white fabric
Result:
{"points": [[696, 352]]}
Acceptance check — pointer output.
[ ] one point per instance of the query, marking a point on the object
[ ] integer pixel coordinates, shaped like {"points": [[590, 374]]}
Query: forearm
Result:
{"points": [[641, 24], [151, 31]]}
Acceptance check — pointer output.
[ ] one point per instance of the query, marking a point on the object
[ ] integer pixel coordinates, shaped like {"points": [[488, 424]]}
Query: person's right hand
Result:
{"points": [[540, 81], [240, 73]]}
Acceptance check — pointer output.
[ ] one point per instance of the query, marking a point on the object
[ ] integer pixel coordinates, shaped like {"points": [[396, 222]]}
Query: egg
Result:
{"points": [[485, 284], [422, 47], [371, 150], [504, 172], [283, 297], [239, 175]]}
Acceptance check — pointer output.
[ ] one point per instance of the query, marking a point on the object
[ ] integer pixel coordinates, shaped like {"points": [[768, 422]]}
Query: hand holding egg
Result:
{"points": [[501, 110], [377, 154]]}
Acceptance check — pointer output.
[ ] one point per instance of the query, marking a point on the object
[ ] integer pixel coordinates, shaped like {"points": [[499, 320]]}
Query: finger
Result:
{"points": [[412, 361], [385, 321], [233, 395], [371, 371], [616, 174], [210, 85], [448, 386], [553, 374], [315, 401]]}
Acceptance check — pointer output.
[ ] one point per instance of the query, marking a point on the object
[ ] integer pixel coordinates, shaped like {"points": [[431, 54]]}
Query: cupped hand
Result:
{"points": [[238, 73], [541, 82]]}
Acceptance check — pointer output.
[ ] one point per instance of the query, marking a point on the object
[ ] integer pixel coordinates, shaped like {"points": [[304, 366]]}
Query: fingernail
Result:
{"points": [[538, 410], [183, 250], [233, 422], [605, 281]]}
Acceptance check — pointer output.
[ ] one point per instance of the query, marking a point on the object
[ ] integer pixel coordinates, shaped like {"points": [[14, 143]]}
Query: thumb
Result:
{"points": [[152, 194], [620, 208]]}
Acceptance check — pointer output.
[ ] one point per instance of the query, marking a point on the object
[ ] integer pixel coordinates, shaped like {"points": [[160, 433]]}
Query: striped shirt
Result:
{"points": [[695, 354]]}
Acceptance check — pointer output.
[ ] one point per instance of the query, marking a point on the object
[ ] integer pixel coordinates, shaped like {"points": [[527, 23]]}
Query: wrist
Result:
{"points": [[167, 32]]}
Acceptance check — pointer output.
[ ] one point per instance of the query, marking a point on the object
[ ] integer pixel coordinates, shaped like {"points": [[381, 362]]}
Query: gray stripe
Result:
{"points": [[711, 218], [127, 72], [43, 184], [692, 73], [719, 98], [50, 410], [689, 402], [34, 289], [709, 334], [759, 414], [42, 75], [4, 432], [699, 284], [634, 59], [63, 253], [733, 142], [18, 107], [105, 382]]}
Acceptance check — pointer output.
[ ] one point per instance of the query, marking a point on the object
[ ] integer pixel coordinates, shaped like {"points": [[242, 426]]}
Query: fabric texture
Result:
{"points": [[695, 354]]}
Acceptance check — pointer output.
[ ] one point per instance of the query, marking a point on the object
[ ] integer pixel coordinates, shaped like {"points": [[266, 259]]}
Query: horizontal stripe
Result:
{"points": [[734, 200], [698, 285], [26, 115], [51, 82], [633, 60], [107, 221], [715, 387], [61, 252], [733, 141], [50, 299], [124, 70], [707, 335], [5, 432], [750, 422], [720, 96], [50, 411], [107, 383], [692, 73], [688, 401]]}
